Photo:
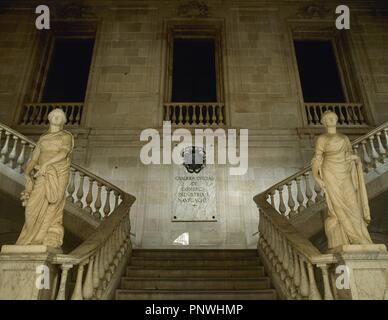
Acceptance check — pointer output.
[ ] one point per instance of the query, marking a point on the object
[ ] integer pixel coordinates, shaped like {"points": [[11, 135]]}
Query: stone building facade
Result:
{"points": [[259, 89]]}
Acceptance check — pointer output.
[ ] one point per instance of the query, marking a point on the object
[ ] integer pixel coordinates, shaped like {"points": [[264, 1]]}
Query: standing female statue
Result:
{"points": [[44, 194], [339, 173]]}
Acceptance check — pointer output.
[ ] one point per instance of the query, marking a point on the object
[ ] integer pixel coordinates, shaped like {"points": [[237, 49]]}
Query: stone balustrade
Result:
{"points": [[194, 114], [92, 194], [36, 114], [95, 262], [300, 191], [293, 260], [349, 114]]}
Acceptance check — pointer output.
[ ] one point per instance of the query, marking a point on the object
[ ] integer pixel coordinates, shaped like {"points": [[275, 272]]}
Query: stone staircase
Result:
{"points": [[195, 275]]}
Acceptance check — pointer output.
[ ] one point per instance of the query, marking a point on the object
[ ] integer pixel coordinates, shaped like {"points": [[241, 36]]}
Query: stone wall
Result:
{"points": [[126, 92]]}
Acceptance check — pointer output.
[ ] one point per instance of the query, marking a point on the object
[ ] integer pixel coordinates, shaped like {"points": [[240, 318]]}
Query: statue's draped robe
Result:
{"points": [[347, 201], [44, 209]]}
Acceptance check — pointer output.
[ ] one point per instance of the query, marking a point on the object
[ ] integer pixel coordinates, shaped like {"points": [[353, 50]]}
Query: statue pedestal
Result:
{"points": [[361, 272], [27, 272]]}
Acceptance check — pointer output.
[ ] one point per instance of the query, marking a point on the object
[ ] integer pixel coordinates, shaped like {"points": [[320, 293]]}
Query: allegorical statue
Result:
{"points": [[338, 171], [47, 176]]}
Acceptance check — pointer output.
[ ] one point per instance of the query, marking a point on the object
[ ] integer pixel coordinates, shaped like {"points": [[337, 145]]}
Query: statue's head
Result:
{"points": [[329, 119], [57, 117]]}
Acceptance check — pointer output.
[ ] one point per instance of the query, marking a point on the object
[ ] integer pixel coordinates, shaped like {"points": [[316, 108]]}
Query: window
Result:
{"points": [[194, 71], [68, 72], [319, 72]]}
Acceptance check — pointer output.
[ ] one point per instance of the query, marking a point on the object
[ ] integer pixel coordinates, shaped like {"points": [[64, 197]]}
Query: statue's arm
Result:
{"points": [[317, 160]]}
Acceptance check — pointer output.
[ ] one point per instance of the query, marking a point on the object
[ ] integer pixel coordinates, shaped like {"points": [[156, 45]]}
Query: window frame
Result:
{"points": [[194, 30]]}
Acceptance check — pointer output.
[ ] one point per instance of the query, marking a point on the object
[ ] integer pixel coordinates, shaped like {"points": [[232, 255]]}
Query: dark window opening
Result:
{"points": [[68, 71], [194, 71], [318, 71]]}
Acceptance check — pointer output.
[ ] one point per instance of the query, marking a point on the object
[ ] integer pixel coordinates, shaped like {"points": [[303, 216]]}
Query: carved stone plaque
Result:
{"points": [[194, 195]]}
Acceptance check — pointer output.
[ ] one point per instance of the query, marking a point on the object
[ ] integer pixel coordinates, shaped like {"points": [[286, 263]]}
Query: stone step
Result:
{"points": [[194, 283], [268, 294], [191, 262], [194, 253], [192, 273]]}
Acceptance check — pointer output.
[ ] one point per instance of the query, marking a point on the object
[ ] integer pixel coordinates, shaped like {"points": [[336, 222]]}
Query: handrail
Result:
{"points": [[108, 246]]}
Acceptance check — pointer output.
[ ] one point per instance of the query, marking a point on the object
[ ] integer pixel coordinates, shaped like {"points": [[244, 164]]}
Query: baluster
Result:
{"points": [[328, 295], [286, 260], [4, 150], [361, 115], [35, 115], [207, 115], [347, 116], [386, 138], [221, 115], [44, 119], [282, 207], [71, 187], [201, 120], [316, 117], [291, 202], [356, 119], [96, 265], [87, 289], [20, 160], [24, 119], [214, 118], [341, 115], [89, 196], [107, 202], [299, 195], [366, 158], [78, 115], [297, 275], [313, 290], [351, 115], [77, 293], [272, 195], [375, 155], [12, 155], [381, 149], [304, 286], [97, 204], [318, 192], [80, 192], [1, 132], [291, 272], [173, 115], [309, 119], [180, 115], [117, 195], [309, 191], [101, 269], [41, 114], [62, 286]]}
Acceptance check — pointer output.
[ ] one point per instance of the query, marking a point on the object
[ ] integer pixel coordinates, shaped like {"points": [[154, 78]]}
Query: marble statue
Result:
{"points": [[339, 174], [47, 176]]}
